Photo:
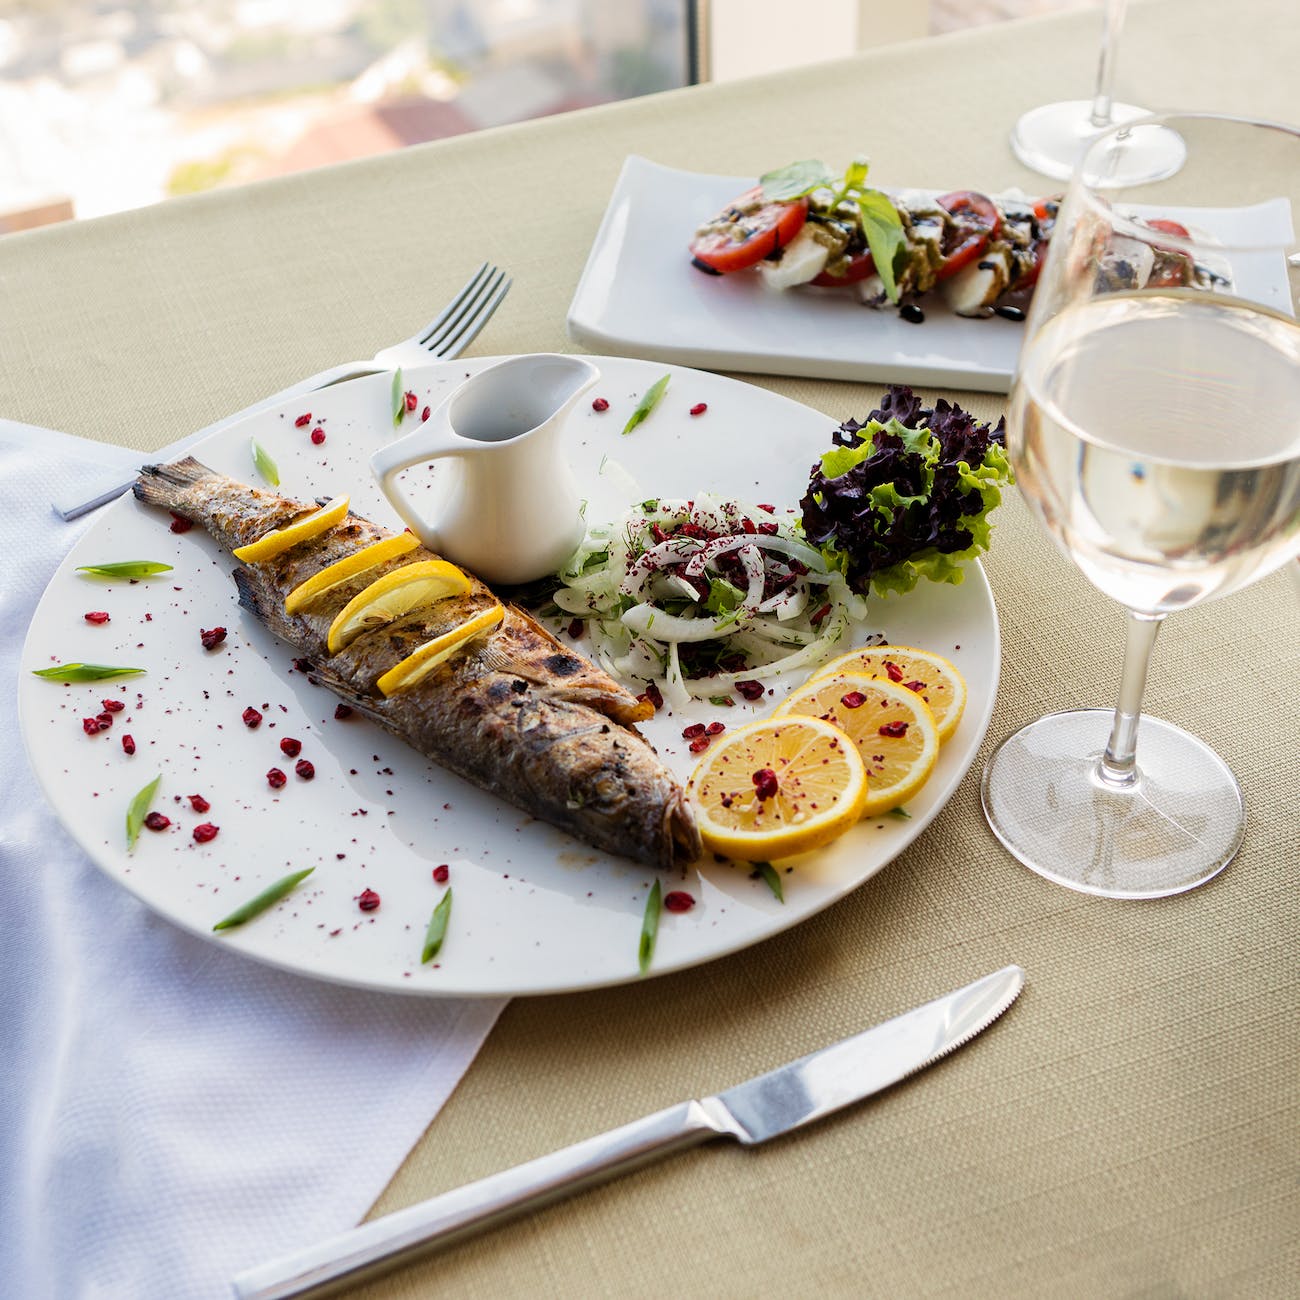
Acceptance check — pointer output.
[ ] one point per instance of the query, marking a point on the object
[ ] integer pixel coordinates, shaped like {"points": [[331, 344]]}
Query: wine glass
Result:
{"points": [[1154, 428], [1051, 138]]}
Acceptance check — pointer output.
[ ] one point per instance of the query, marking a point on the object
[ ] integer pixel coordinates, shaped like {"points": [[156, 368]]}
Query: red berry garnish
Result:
{"points": [[342, 711], [894, 729], [113, 706], [302, 421], [751, 690], [411, 401], [305, 769], [157, 821], [318, 435], [128, 744], [97, 616], [212, 637], [290, 747], [275, 778], [700, 744], [599, 404], [695, 729], [894, 671], [199, 803], [678, 900], [105, 720], [204, 832], [90, 726], [441, 872], [252, 718], [179, 525], [853, 699], [424, 415], [699, 408], [367, 900], [765, 783], [715, 728]]}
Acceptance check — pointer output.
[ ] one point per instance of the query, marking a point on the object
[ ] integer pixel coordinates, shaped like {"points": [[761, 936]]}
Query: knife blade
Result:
{"points": [[752, 1112]]}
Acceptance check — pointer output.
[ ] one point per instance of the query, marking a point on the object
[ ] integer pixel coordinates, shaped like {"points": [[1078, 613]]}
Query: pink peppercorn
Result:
{"points": [[678, 900], [894, 729], [105, 720], [367, 900], [894, 671], [599, 404], [128, 744], [204, 832], [252, 718], [90, 726], [765, 783], [853, 699], [290, 747], [275, 778], [441, 872], [212, 637], [715, 728], [157, 821], [305, 769], [695, 729], [113, 706], [751, 690], [700, 744], [97, 616], [199, 803]]}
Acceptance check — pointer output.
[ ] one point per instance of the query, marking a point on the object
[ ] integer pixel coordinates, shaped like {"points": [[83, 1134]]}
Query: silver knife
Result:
{"points": [[766, 1107]]}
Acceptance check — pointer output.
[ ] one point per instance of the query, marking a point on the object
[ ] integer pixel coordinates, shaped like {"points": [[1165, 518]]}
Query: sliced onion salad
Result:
{"points": [[699, 595]]}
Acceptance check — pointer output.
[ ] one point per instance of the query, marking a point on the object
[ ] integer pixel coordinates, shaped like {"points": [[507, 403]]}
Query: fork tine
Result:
{"points": [[459, 334], [484, 273]]}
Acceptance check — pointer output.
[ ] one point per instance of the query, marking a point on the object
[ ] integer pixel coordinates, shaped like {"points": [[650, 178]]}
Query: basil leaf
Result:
{"points": [[398, 398], [437, 930], [138, 810], [856, 175], [795, 180], [271, 894], [883, 228], [649, 927], [266, 467], [647, 403], [84, 672], [125, 569], [767, 872]]}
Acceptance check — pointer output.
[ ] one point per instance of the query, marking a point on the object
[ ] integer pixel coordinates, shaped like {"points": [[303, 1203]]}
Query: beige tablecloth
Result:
{"points": [[1131, 1127]]}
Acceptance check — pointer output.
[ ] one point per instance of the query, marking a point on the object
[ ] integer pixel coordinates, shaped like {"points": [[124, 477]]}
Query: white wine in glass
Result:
{"points": [[1154, 428], [1052, 138]]}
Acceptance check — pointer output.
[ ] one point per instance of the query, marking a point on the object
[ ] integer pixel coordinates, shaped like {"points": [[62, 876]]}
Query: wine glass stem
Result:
{"points": [[1103, 97], [1118, 765]]}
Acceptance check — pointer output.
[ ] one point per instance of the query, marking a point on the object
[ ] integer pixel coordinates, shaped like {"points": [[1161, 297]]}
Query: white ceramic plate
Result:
{"points": [[640, 296], [534, 910]]}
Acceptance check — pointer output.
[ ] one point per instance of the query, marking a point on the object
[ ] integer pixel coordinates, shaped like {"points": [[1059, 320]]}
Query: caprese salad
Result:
{"points": [[802, 225]]}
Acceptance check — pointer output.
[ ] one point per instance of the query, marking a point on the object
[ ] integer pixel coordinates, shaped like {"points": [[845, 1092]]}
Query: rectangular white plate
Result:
{"points": [[640, 296]]}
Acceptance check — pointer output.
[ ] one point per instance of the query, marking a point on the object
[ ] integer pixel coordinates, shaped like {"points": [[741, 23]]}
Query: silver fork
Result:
{"points": [[444, 337]]}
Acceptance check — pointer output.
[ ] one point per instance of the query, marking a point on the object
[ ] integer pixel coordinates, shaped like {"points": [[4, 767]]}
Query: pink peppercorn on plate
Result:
{"points": [[263, 776]]}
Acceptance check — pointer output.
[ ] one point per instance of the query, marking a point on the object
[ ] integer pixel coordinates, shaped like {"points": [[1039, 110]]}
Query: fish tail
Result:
{"points": [[165, 485]]}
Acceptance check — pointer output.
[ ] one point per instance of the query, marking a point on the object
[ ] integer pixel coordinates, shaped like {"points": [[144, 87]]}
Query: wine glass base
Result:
{"points": [[1175, 827], [1053, 137]]}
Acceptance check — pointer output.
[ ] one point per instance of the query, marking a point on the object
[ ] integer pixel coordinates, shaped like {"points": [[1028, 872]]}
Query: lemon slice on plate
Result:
{"points": [[280, 539], [420, 663], [934, 678], [397, 593], [892, 727], [776, 788], [348, 567]]}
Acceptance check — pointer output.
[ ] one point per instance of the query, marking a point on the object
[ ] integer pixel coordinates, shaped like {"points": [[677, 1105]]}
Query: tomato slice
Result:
{"points": [[1171, 270], [977, 222], [747, 231], [859, 267], [1168, 227]]}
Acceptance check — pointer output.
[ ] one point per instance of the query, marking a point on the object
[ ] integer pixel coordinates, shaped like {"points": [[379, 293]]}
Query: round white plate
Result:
{"points": [[534, 911]]}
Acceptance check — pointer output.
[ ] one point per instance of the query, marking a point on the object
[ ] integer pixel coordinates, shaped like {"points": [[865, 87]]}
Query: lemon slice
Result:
{"points": [[348, 567], [397, 593], [937, 680], [420, 663], [777, 787], [892, 727], [280, 539]]}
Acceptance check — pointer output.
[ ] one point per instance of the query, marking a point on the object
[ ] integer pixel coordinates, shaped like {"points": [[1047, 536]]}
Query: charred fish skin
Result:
{"points": [[516, 712]]}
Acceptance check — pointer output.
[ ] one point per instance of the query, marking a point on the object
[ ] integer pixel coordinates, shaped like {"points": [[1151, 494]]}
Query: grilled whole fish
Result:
{"points": [[515, 712]]}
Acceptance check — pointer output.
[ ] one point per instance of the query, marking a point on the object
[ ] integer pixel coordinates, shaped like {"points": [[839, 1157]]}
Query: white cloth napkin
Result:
{"points": [[170, 1113]]}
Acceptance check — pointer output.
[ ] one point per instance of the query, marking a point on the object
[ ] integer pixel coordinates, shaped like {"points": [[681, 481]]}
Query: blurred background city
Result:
{"points": [[109, 104]]}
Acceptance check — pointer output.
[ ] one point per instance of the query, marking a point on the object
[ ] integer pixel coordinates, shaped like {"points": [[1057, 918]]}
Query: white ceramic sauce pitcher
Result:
{"points": [[506, 503]]}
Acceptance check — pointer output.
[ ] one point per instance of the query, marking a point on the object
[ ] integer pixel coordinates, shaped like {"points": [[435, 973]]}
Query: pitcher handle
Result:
{"points": [[433, 439]]}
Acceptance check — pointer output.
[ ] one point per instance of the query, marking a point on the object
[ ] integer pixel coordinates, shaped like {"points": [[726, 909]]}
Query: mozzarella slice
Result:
{"points": [[804, 258], [979, 284]]}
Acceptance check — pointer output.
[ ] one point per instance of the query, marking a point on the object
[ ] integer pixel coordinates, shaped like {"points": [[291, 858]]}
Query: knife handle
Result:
{"points": [[382, 1244]]}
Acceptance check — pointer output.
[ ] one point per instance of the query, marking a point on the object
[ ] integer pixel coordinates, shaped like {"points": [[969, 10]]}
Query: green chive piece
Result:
{"points": [[647, 403], [437, 930], [266, 467], [398, 398], [901, 813], [650, 927], [84, 672], [767, 872], [139, 808], [270, 895], [125, 569]]}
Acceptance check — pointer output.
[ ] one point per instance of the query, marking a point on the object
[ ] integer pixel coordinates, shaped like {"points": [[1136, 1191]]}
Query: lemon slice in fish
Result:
{"points": [[410, 587], [348, 567], [420, 663], [280, 539]]}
